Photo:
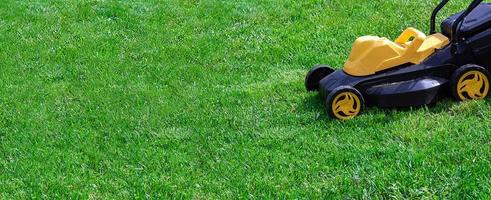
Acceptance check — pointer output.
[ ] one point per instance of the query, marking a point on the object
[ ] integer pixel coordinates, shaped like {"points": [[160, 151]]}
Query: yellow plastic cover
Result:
{"points": [[371, 54]]}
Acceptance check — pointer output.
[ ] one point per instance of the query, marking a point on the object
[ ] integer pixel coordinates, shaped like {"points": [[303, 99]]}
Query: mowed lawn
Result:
{"points": [[205, 100]]}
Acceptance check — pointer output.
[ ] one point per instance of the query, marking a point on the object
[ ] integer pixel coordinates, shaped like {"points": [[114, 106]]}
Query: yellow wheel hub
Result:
{"points": [[473, 85], [346, 105]]}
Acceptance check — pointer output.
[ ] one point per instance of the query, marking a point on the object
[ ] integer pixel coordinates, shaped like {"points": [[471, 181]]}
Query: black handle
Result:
{"points": [[433, 15], [459, 21]]}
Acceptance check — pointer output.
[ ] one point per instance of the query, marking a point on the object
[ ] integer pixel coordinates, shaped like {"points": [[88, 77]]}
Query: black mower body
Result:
{"points": [[427, 82]]}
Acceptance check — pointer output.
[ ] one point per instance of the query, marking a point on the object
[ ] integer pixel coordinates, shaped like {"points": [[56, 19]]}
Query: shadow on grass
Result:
{"points": [[314, 103]]}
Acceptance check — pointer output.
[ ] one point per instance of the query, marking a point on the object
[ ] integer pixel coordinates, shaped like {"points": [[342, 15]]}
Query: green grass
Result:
{"points": [[205, 100]]}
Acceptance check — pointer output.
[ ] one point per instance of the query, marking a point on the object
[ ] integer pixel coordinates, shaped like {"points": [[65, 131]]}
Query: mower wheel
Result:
{"points": [[470, 82], [345, 102], [315, 75]]}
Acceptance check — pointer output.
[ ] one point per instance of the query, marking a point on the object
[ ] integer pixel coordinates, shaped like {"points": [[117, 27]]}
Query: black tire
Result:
{"points": [[357, 107], [467, 70], [315, 75]]}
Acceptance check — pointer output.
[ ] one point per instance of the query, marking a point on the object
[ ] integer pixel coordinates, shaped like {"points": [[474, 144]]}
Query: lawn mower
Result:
{"points": [[413, 70]]}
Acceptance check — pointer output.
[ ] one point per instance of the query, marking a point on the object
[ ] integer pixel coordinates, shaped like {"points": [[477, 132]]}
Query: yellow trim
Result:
{"points": [[473, 83], [346, 105], [371, 54]]}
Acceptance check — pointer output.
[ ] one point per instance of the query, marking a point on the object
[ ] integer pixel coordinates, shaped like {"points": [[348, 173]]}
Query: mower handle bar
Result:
{"points": [[434, 13], [458, 22]]}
